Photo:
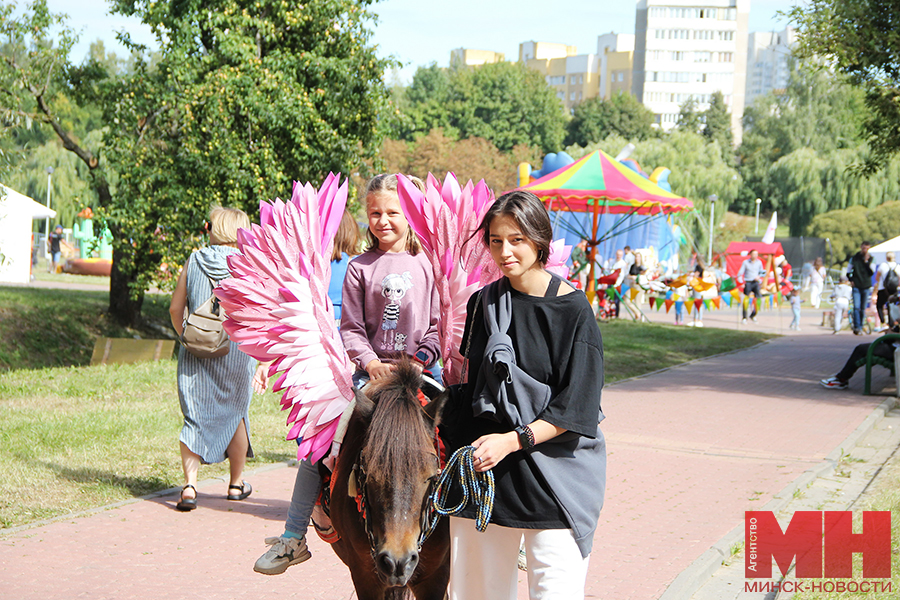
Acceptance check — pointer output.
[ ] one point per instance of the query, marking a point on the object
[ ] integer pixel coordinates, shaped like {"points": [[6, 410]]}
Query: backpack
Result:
{"points": [[891, 280], [204, 334]]}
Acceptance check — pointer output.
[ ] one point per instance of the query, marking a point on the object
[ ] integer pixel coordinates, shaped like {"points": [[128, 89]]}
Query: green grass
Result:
{"points": [[74, 437], [79, 437], [58, 327], [631, 349]]}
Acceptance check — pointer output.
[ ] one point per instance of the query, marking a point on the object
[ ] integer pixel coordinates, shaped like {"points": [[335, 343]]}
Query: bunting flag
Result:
{"points": [[727, 299], [707, 303], [735, 295], [717, 302], [746, 302], [611, 292], [669, 304], [697, 304], [652, 301], [676, 297], [728, 284], [771, 301], [659, 304], [591, 294], [669, 294], [633, 292]]}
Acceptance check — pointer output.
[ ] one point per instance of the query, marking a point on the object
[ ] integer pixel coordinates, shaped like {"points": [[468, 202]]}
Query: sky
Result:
{"points": [[419, 33]]}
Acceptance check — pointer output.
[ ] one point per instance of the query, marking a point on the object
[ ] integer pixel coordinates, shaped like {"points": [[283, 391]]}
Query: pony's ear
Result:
{"points": [[364, 406], [434, 408]]}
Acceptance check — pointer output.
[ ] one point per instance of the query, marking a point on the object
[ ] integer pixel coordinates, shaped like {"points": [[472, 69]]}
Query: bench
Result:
{"points": [[127, 350], [871, 359]]}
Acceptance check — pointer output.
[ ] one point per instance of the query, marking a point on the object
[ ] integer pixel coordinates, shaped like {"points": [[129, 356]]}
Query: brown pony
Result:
{"points": [[389, 452]]}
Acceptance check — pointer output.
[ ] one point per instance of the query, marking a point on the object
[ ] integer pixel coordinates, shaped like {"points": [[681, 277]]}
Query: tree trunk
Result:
{"points": [[124, 308]]}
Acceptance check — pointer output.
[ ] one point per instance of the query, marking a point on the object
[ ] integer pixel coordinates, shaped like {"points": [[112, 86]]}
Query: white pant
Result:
{"points": [[815, 294], [840, 309], [483, 565]]}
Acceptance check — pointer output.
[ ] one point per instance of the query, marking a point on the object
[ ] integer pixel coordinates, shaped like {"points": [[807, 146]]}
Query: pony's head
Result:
{"points": [[400, 465]]}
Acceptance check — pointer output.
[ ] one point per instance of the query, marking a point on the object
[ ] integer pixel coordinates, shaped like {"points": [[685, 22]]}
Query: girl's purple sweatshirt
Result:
{"points": [[391, 308]]}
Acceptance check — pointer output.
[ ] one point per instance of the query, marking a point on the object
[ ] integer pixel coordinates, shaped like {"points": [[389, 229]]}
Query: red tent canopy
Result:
{"points": [[737, 252]]}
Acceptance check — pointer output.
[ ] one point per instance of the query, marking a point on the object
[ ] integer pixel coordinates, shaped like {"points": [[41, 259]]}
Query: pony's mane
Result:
{"points": [[396, 430]]}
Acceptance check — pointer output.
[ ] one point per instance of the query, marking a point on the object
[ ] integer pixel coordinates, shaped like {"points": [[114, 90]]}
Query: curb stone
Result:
{"points": [[704, 567]]}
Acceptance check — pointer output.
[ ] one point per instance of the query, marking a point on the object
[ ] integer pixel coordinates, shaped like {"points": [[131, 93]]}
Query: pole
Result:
{"points": [[47, 221], [756, 231], [712, 214]]}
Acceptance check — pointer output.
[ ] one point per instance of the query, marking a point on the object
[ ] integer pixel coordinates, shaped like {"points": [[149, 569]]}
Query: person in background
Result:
{"points": [[841, 298], [752, 273], [816, 282], [623, 268], [795, 309], [860, 274], [214, 393], [53, 245], [886, 279]]}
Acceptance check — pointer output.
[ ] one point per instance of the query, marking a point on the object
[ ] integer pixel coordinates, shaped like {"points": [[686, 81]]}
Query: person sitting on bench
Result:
{"points": [[884, 350]]}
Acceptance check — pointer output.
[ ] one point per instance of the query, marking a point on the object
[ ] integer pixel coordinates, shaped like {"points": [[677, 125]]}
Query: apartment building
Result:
{"points": [[474, 58], [574, 77], [690, 48], [767, 62], [616, 54]]}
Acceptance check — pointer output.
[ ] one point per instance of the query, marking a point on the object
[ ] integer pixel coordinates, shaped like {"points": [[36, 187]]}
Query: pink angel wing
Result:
{"points": [[559, 256], [279, 311], [445, 217]]}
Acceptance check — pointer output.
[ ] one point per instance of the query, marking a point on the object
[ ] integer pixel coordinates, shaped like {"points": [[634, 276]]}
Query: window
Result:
{"points": [[702, 57], [677, 55], [726, 36], [571, 96], [572, 80], [621, 75], [581, 79]]}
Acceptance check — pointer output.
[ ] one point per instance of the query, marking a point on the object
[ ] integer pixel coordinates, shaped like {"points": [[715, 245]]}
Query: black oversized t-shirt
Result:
{"points": [[557, 341]]}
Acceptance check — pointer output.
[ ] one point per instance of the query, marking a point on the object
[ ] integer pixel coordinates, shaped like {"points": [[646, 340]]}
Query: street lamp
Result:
{"points": [[758, 200], [712, 213], [47, 223]]}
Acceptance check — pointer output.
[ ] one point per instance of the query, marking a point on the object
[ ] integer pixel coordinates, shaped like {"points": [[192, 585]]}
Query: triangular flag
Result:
{"points": [[735, 295], [591, 294], [611, 292], [633, 292], [727, 299], [659, 304], [669, 304], [698, 303], [716, 302], [706, 304], [652, 301], [769, 237], [728, 284], [676, 297], [669, 294]]}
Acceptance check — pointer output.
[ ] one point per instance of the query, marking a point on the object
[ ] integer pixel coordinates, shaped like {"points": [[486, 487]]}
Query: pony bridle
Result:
{"points": [[429, 517]]}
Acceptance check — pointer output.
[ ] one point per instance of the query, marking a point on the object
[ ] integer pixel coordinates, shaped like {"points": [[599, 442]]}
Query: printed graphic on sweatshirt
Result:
{"points": [[393, 287]]}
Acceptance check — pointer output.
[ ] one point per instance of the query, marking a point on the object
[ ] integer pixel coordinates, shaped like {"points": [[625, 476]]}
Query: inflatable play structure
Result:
{"points": [[88, 245]]}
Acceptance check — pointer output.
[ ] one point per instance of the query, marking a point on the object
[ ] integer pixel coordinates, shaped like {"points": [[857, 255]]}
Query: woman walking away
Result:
{"points": [[214, 392], [531, 410]]}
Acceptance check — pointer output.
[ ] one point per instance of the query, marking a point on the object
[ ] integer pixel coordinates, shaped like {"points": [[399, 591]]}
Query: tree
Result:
{"points": [[505, 103], [718, 123], [596, 118], [688, 116], [859, 39], [472, 158], [846, 228], [240, 101]]}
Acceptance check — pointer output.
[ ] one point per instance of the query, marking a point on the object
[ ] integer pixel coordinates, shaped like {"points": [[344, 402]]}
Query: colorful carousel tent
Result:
{"points": [[603, 198]]}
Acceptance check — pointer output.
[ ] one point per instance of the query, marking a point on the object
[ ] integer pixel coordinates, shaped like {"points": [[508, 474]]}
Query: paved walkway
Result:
{"points": [[691, 448]]}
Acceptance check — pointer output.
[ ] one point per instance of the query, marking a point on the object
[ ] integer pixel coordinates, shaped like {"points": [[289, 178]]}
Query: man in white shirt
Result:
{"points": [[752, 272], [882, 285], [621, 266]]}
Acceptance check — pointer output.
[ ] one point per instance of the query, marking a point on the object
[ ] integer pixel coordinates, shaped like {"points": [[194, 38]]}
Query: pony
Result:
{"points": [[380, 502]]}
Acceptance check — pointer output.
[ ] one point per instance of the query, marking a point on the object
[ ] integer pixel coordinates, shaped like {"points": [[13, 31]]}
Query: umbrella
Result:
{"points": [[598, 184]]}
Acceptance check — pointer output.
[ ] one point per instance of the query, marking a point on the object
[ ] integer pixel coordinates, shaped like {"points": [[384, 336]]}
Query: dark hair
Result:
{"points": [[387, 182], [346, 239], [529, 214]]}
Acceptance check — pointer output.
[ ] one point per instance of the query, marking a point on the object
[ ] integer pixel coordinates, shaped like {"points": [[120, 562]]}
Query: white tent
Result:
{"points": [[879, 251], [16, 214]]}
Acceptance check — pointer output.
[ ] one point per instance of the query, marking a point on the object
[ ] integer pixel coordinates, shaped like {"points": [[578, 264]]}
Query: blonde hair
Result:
{"points": [[889, 256], [346, 240], [224, 223], [387, 182]]}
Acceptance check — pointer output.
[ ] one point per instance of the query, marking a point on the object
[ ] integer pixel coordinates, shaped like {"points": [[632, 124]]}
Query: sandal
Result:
{"points": [[186, 504], [245, 489]]}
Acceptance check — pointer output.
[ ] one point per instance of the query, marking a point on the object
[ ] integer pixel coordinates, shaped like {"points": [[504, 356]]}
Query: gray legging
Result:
{"points": [[303, 500]]}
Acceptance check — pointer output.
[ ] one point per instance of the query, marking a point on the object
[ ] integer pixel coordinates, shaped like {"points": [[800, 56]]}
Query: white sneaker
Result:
{"points": [[743, 321], [833, 383], [285, 551]]}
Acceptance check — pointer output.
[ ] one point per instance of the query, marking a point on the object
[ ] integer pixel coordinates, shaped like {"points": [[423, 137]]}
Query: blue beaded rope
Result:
{"points": [[479, 487]]}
